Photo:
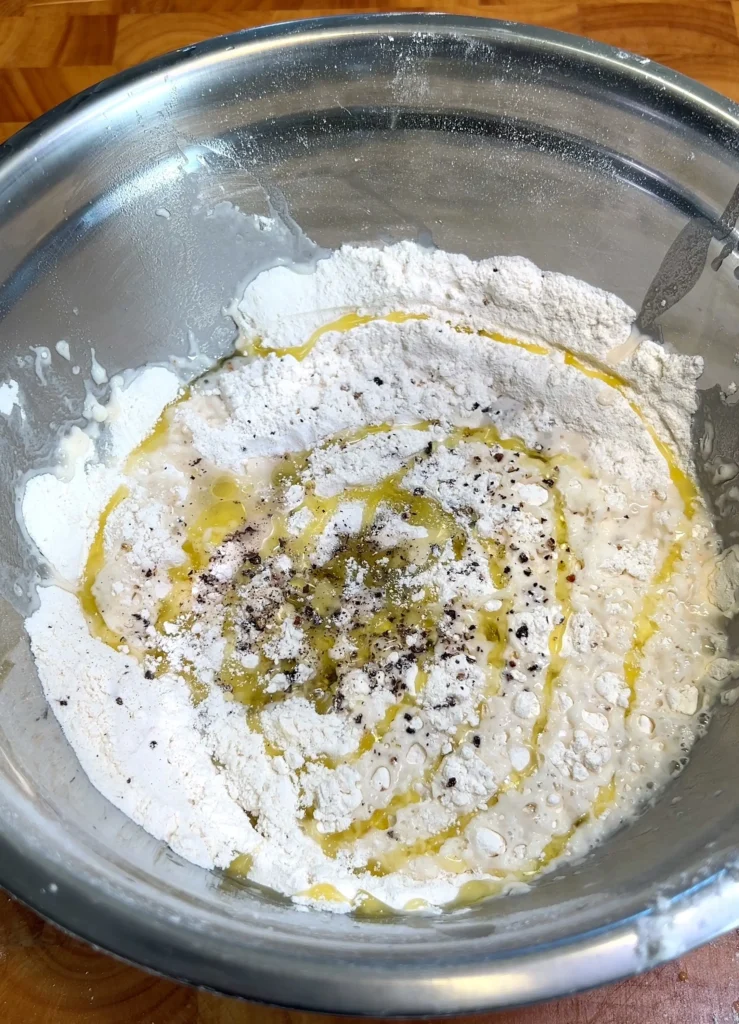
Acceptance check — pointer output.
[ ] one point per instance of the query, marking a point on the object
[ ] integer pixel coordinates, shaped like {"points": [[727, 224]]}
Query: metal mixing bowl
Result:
{"points": [[488, 138]]}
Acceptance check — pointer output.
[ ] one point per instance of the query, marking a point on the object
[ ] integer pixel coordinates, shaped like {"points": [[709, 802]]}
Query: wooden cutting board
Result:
{"points": [[49, 50], [48, 978]]}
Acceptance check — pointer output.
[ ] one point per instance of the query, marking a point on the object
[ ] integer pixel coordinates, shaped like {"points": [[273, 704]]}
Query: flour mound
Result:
{"points": [[507, 291], [364, 611]]}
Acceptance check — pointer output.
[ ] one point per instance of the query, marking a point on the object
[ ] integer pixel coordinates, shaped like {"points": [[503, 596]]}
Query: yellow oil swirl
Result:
{"points": [[226, 510], [326, 892], [322, 638], [502, 339], [345, 323], [318, 589], [379, 821], [93, 567], [223, 513], [495, 630], [645, 626], [364, 904], [241, 866], [96, 555], [477, 889]]}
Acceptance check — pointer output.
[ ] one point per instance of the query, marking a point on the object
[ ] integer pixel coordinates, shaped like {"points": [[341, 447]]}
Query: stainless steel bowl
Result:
{"points": [[490, 138]]}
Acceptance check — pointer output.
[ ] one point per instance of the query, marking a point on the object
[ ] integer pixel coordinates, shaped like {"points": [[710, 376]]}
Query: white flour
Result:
{"points": [[82, 487], [507, 291], [9, 396], [266, 408], [464, 780]]}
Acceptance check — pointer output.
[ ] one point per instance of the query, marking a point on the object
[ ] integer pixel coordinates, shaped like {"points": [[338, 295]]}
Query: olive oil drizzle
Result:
{"points": [[95, 562], [231, 511], [347, 322], [317, 590], [383, 818], [477, 889], [645, 626]]}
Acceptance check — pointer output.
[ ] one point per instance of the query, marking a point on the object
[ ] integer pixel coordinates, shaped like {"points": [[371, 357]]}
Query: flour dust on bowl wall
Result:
{"points": [[371, 517]]}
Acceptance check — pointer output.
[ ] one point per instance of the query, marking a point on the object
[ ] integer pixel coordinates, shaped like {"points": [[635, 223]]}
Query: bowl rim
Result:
{"points": [[631, 64], [695, 913]]}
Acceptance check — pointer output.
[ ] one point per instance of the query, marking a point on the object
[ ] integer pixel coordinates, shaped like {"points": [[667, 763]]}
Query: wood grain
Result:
{"points": [[51, 49], [49, 978]]}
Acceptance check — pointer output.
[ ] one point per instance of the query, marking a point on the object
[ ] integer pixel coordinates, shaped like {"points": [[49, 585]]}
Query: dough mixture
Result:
{"points": [[402, 604]]}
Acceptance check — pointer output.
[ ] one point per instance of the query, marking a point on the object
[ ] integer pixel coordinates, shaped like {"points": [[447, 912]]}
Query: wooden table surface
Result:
{"points": [[49, 50]]}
